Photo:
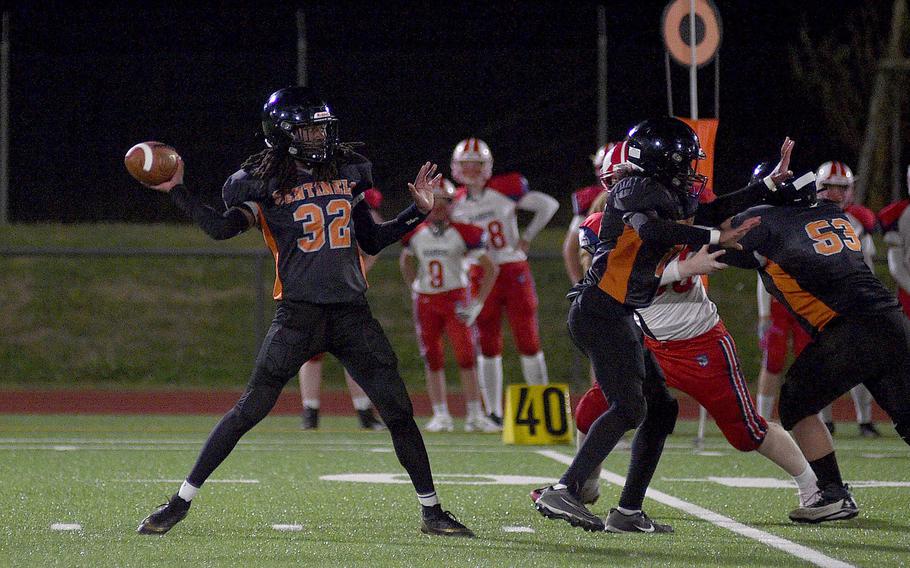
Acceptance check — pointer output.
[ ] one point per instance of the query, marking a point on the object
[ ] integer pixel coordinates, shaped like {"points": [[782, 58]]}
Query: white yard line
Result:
{"points": [[802, 552]]}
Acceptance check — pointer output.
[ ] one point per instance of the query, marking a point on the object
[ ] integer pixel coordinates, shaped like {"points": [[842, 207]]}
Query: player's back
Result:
{"points": [[815, 263]]}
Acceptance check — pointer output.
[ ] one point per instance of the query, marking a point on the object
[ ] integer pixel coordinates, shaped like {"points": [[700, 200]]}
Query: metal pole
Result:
{"points": [[4, 122], [693, 67], [301, 48], [669, 83], [601, 75]]}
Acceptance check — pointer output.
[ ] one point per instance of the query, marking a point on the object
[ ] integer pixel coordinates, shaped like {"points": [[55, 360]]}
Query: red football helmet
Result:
{"points": [[598, 157], [616, 156], [836, 176], [472, 150]]}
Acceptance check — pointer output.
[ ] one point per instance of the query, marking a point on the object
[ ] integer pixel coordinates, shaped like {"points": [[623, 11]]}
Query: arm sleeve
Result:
{"points": [[652, 228], [763, 298], [729, 204], [543, 206], [373, 237], [217, 225]]}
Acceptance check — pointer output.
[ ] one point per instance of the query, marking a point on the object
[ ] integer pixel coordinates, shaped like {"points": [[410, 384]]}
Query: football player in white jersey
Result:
{"points": [[835, 183], [443, 303], [491, 203]]}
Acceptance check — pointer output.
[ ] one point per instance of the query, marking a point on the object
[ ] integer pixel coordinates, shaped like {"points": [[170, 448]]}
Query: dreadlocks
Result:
{"points": [[277, 163]]}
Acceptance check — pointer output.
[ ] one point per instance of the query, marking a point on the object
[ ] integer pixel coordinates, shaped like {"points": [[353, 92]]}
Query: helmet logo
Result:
{"points": [[285, 125], [322, 114], [677, 157]]}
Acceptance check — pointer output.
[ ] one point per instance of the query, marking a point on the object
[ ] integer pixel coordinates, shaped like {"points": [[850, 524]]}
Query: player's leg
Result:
{"points": [[647, 447], [429, 325], [310, 385], [462, 339], [362, 405], [607, 333], [773, 359], [489, 360], [521, 311], [359, 342], [295, 335]]}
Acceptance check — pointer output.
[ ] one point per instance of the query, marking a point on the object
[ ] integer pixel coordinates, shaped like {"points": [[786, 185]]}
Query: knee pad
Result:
{"points": [[631, 413]]}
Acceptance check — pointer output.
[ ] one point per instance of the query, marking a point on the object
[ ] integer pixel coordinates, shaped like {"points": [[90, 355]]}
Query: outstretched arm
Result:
{"points": [[544, 207]]}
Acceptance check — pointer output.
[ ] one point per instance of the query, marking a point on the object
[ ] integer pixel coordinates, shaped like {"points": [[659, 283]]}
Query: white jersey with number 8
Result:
{"points": [[441, 254]]}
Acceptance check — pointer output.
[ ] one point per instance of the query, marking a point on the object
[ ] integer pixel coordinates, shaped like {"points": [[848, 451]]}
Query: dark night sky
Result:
{"points": [[87, 84]]}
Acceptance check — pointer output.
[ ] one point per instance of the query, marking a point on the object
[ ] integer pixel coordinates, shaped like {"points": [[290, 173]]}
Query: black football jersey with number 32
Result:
{"points": [[814, 263], [310, 232]]}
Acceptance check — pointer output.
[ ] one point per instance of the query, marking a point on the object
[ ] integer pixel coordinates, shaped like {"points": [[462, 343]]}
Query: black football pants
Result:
{"points": [[635, 389], [871, 349], [299, 331]]}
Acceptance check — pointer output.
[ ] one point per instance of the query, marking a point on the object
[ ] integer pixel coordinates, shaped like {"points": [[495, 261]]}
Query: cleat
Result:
{"points": [[442, 523], [619, 522], [830, 427], [165, 517], [368, 420], [834, 503], [496, 419], [440, 423], [868, 430], [310, 418], [560, 504], [481, 423]]}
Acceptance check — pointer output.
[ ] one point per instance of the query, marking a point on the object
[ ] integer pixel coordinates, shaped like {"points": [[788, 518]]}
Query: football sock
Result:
{"points": [[766, 405], [361, 402], [311, 403], [647, 446], [441, 409], [490, 376], [862, 401], [827, 471], [428, 499], [534, 369], [474, 408], [187, 491], [628, 512], [807, 483]]}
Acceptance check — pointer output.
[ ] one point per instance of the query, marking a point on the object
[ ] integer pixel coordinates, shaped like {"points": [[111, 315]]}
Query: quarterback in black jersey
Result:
{"points": [[810, 258], [640, 230], [305, 193]]}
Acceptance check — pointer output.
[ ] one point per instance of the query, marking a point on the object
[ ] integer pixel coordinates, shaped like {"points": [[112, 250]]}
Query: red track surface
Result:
{"points": [[219, 402]]}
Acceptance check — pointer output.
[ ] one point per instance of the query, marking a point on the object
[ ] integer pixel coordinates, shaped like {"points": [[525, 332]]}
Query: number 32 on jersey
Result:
{"points": [[537, 414]]}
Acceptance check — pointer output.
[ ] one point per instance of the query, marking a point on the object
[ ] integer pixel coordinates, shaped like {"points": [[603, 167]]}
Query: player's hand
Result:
{"points": [[524, 246], [729, 237], [176, 179], [702, 262], [422, 188], [781, 172], [468, 314]]}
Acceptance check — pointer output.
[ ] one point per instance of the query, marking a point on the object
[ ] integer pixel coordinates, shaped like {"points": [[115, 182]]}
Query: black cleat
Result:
{"points": [[368, 420], [868, 430], [165, 517], [560, 504], [834, 503], [830, 427], [310, 418], [619, 522], [442, 523]]}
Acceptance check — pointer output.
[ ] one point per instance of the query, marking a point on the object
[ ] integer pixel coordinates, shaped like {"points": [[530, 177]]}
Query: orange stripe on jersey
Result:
{"points": [[270, 241], [615, 280], [807, 306]]}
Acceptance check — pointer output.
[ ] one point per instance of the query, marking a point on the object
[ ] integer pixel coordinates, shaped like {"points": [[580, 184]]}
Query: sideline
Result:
{"points": [[802, 552]]}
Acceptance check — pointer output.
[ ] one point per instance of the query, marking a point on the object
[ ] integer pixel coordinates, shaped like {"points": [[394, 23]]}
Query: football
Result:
{"points": [[151, 162]]}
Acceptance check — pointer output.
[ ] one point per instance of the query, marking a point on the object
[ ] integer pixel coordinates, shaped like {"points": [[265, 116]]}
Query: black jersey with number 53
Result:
{"points": [[812, 261], [310, 232]]}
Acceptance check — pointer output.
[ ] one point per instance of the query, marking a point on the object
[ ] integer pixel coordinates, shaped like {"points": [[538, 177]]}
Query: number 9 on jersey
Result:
{"points": [[537, 414]]}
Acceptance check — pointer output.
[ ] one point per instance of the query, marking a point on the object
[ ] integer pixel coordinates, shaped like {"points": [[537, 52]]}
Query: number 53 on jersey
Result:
{"points": [[537, 414]]}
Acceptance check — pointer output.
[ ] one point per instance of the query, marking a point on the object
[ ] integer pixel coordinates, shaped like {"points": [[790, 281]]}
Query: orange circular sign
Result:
{"points": [[676, 27]]}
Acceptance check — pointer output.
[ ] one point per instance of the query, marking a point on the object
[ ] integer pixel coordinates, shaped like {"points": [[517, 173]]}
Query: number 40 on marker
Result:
{"points": [[537, 414]]}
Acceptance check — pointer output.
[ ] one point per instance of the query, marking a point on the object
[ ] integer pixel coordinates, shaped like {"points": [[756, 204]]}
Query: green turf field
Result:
{"points": [[105, 473]]}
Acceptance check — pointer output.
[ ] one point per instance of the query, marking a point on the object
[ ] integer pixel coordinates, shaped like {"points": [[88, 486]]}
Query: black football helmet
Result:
{"points": [[795, 192], [761, 171], [288, 112], [666, 149]]}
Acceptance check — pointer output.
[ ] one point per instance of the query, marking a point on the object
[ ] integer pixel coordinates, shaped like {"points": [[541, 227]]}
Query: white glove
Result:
{"points": [[468, 314]]}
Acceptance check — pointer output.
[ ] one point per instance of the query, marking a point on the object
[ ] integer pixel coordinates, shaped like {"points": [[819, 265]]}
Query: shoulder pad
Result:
{"points": [[864, 215], [639, 193], [589, 231], [512, 185], [472, 235], [890, 214], [242, 186]]}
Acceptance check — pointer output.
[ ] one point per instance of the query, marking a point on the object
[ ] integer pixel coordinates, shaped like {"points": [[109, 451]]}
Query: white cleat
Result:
{"points": [[440, 423], [481, 423]]}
